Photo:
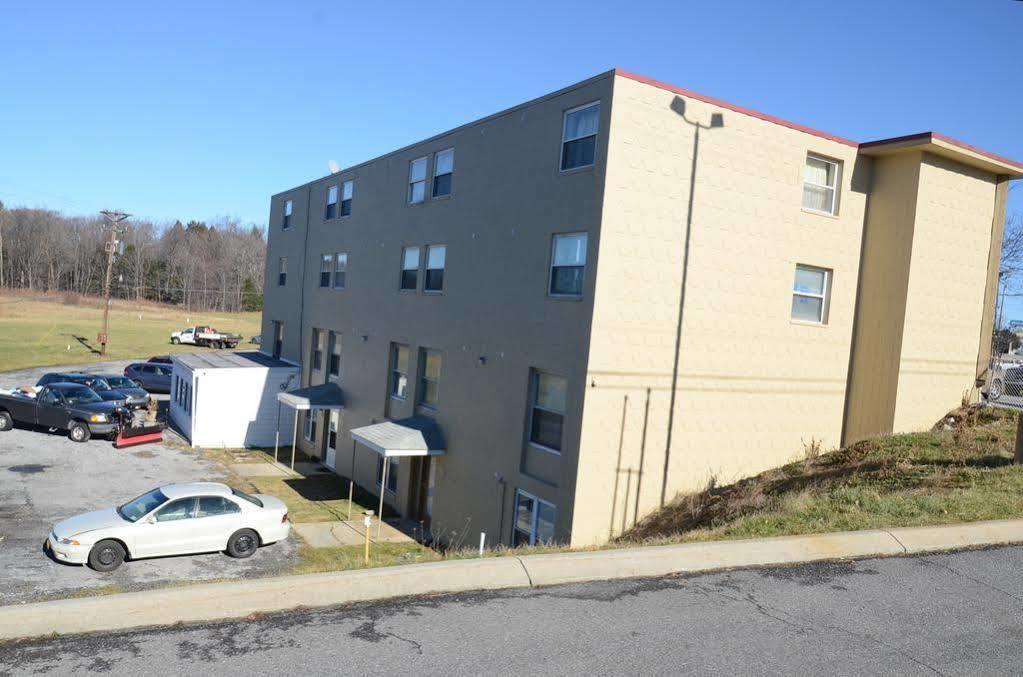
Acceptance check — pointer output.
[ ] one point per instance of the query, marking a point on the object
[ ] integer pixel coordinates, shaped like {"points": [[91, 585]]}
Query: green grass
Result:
{"points": [[43, 330], [344, 558], [942, 476]]}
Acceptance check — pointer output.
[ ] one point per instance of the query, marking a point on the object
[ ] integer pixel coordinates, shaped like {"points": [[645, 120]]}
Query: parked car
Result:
{"points": [[100, 386], [62, 406], [137, 397], [156, 378], [205, 336], [175, 519], [160, 359]]}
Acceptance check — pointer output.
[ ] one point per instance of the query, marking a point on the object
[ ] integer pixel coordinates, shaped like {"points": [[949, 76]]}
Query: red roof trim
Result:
{"points": [[732, 106], [949, 140]]}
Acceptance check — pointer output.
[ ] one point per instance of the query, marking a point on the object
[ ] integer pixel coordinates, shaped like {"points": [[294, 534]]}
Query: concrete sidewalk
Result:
{"points": [[239, 599]]}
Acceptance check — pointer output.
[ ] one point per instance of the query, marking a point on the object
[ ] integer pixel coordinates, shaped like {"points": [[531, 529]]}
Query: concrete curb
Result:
{"points": [[239, 599]]}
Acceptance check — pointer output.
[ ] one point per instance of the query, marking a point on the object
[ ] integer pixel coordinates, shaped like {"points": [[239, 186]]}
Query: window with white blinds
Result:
{"points": [[820, 184]]}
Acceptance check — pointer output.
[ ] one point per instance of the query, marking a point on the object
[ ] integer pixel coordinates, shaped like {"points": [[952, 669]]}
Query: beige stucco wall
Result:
{"points": [[881, 304], [753, 384], [945, 299]]}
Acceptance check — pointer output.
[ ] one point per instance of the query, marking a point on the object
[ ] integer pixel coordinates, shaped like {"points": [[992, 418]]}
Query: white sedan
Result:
{"points": [[175, 519]]}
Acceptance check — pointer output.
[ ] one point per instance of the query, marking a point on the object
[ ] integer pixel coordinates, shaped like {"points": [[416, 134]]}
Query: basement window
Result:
{"points": [[534, 520]]}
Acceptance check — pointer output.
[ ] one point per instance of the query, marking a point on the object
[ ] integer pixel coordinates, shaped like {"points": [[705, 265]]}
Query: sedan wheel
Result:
{"points": [[6, 422], [175, 340], [79, 432], [106, 556], [243, 543]]}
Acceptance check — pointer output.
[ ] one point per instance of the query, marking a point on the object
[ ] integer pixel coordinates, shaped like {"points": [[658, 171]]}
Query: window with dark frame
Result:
{"points": [[579, 136], [326, 268], [340, 269], [568, 264], [409, 269], [309, 427], [429, 378], [443, 171], [392, 473], [278, 344], [334, 366], [282, 271], [317, 349], [398, 387], [436, 255], [548, 396], [331, 210], [417, 180], [286, 220], [347, 188]]}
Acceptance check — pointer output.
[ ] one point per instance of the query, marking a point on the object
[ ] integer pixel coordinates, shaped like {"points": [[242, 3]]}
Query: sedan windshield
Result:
{"points": [[98, 384], [119, 382], [137, 508], [81, 395]]}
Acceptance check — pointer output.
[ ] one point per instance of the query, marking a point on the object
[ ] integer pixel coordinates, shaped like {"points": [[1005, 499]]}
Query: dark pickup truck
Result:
{"points": [[62, 406]]}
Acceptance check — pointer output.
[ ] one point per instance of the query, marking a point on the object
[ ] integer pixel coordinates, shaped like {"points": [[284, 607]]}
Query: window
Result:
{"points": [[579, 136], [282, 271], [568, 265], [346, 197], [181, 509], [309, 427], [278, 344], [50, 398], [326, 267], [810, 294], [398, 386], [331, 210], [534, 520], [317, 350], [417, 180], [334, 367], [435, 256], [286, 221], [392, 472], [409, 268], [547, 410], [211, 506], [429, 377], [340, 268], [820, 185], [443, 168]]}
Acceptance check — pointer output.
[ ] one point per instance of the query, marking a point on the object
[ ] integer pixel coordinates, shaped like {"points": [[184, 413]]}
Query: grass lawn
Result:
{"points": [[317, 560], [42, 330], [961, 472]]}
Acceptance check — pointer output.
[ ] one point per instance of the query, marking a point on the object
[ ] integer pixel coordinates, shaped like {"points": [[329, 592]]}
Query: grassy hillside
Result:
{"points": [[52, 330], [960, 471]]}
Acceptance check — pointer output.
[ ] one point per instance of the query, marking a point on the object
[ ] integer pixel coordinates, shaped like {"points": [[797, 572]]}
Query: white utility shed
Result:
{"points": [[226, 399]]}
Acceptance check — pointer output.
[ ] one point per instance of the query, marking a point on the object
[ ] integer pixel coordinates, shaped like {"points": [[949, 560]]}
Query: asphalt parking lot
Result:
{"points": [[46, 477]]}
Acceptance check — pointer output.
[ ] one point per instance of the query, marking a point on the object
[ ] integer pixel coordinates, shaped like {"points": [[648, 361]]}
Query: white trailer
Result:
{"points": [[230, 399]]}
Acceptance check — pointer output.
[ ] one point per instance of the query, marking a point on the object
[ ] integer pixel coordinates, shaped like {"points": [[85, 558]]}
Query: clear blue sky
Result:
{"points": [[192, 110]]}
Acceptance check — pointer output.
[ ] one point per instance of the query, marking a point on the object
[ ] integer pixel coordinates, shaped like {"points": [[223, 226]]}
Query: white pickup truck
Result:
{"points": [[205, 336]]}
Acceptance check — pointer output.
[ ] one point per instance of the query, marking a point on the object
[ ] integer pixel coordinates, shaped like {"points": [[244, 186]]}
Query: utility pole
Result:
{"points": [[2, 219], [114, 218]]}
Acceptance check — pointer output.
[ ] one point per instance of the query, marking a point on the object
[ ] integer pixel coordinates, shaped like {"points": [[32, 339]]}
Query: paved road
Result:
{"points": [[944, 614]]}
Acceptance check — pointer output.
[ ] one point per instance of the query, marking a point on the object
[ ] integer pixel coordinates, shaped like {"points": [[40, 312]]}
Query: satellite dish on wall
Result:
{"points": [[332, 166]]}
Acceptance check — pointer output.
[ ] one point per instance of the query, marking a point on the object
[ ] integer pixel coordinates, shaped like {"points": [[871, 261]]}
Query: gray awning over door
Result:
{"points": [[314, 398], [414, 436]]}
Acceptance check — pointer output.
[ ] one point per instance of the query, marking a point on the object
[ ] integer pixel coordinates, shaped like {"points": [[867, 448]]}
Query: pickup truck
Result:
{"points": [[205, 336], [62, 406]]}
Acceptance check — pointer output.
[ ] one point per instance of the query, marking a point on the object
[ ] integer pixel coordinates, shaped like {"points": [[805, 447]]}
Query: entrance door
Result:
{"points": [[334, 422], [423, 487]]}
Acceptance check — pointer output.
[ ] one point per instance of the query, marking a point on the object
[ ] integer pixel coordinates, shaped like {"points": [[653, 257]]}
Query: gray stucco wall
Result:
{"points": [[508, 200]]}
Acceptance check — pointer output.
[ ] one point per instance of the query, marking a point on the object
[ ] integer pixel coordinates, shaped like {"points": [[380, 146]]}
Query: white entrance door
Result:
{"points": [[333, 425]]}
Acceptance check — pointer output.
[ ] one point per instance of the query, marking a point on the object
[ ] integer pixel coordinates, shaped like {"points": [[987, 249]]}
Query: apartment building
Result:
{"points": [[543, 324]]}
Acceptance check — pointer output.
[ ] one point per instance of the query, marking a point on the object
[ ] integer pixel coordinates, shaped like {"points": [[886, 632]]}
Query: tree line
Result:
{"points": [[216, 266]]}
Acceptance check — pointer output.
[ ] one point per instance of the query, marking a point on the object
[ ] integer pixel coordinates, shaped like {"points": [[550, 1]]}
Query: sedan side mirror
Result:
{"points": [[151, 519]]}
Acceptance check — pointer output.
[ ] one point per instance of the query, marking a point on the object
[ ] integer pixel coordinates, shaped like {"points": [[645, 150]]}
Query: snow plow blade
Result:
{"points": [[131, 437]]}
